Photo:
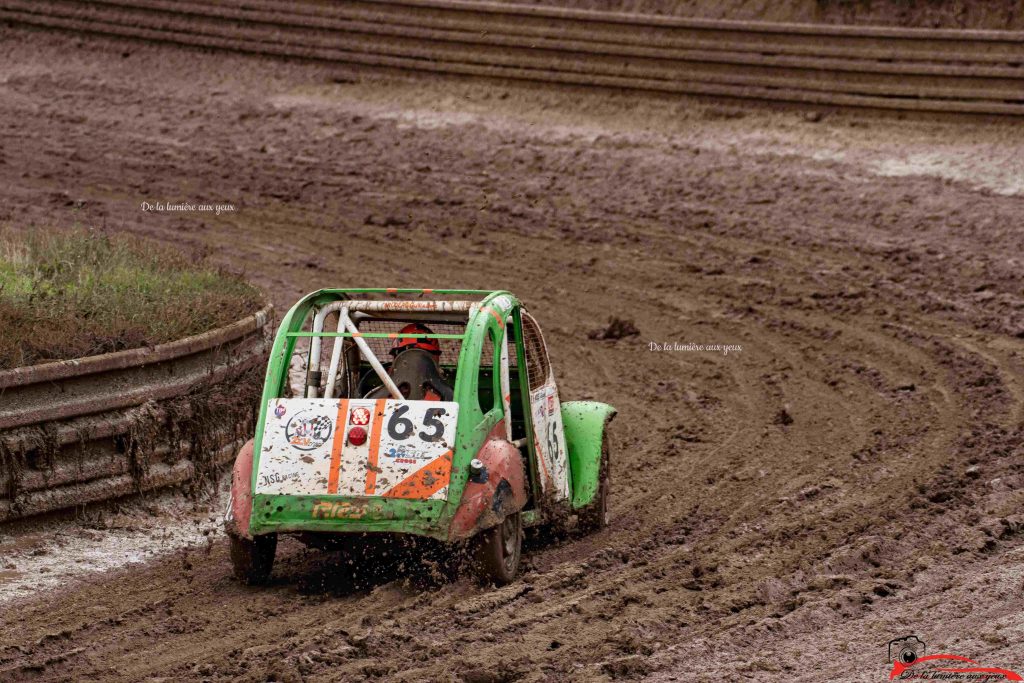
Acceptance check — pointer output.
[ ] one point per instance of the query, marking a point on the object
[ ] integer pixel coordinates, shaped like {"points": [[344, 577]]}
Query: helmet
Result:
{"points": [[407, 339]]}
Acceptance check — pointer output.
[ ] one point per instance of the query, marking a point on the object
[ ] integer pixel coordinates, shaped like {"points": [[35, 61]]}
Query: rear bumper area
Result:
{"points": [[344, 514]]}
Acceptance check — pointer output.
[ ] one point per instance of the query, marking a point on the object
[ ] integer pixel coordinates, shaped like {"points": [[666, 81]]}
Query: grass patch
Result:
{"points": [[69, 294]]}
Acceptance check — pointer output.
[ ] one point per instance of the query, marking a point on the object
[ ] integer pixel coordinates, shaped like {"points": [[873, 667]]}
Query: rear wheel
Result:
{"points": [[498, 550], [253, 559], [594, 516]]}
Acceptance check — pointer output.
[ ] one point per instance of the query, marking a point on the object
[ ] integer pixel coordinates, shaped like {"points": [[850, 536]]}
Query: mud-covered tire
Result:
{"points": [[594, 516], [498, 550], [253, 559]]}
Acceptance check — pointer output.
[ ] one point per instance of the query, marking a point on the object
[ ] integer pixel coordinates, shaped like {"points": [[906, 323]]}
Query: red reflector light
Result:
{"points": [[357, 436]]}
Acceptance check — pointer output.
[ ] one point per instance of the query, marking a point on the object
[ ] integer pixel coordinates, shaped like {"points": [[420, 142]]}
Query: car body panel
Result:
{"points": [[357, 447], [584, 424], [549, 440], [240, 499], [500, 490]]}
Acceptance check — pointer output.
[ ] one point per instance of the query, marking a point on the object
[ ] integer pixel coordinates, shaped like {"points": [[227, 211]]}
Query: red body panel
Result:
{"points": [[483, 505], [241, 493]]}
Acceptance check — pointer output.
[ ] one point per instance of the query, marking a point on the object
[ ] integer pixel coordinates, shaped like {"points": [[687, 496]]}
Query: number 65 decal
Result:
{"points": [[401, 428], [552, 439]]}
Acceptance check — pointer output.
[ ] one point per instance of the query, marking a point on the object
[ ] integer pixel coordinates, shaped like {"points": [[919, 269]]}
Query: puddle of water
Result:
{"points": [[954, 167], [57, 552]]}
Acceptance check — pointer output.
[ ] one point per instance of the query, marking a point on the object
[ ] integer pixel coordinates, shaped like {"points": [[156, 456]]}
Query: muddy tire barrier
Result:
{"points": [[98, 428], [934, 70]]}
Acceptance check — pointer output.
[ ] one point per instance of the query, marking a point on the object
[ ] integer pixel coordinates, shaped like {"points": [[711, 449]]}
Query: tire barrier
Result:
{"points": [[91, 429]]}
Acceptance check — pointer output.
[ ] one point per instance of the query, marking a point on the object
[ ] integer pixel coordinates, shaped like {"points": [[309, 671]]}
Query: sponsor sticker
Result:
{"points": [[307, 431], [406, 453], [338, 510]]}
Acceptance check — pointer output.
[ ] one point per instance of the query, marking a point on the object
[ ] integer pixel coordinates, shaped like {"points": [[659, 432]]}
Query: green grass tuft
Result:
{"points": [[69, 294]]}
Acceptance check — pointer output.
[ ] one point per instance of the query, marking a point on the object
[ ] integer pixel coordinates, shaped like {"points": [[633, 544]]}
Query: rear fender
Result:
{"points": [[584, 424], [236, 520], [486, 502]]}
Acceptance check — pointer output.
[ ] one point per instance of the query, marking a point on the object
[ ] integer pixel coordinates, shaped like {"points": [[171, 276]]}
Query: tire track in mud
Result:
{"points": [[796, 485]]}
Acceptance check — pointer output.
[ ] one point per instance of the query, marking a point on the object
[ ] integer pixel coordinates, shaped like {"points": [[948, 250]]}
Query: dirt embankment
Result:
{"points": [[67, 294], [853, 474], [974, 14]]}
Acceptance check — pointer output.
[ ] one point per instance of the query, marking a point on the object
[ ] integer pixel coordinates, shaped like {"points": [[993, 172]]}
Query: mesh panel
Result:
{"points": [[381, 347], [449, 347], [537, 367]]}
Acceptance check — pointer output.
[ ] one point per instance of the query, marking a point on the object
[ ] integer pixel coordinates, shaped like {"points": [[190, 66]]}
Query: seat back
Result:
{"points": [[414, 371]]}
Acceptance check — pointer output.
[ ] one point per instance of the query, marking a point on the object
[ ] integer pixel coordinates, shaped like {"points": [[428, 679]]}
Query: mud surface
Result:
{"points": [[780, 512]]}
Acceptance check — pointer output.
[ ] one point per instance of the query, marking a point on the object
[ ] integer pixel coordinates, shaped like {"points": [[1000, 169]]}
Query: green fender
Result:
{"points": [[584, 423]]}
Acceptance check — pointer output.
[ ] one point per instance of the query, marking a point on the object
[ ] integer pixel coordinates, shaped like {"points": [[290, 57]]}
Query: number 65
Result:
{"points": [[401, 428]]}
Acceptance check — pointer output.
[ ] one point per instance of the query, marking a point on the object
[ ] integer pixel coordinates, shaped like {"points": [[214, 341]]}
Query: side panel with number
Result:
{"points": [[397, 449], [550, 440]]}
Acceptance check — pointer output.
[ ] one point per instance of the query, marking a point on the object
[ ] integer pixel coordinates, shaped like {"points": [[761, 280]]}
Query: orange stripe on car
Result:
{"points": [[497, 316], [337, 446], [371, 465], [426, 481], [541, 458]]}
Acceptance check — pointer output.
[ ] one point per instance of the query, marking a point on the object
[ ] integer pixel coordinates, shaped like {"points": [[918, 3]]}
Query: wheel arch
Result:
{"points": [[584, 424], [486, 502], [237, 516]]}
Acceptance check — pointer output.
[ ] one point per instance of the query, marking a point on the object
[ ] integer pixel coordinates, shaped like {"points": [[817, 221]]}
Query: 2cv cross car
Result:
{"points": [[435, 413]]}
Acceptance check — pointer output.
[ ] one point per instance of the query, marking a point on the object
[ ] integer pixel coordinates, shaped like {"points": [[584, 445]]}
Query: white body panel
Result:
{"points": [[549, 440], [308, 448]]}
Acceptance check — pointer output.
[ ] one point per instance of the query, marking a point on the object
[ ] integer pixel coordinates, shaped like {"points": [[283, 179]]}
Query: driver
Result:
{"points": [[416, 368]]}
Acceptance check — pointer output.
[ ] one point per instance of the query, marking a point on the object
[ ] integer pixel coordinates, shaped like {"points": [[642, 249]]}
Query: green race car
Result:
{"points": [[420, 412]]}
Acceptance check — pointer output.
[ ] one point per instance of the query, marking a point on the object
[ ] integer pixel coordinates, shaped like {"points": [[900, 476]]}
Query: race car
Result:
{"points": [[435, 414]]}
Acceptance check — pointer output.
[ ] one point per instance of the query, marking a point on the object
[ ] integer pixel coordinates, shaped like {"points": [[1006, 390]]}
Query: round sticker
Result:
{"points": [[307, 431]]}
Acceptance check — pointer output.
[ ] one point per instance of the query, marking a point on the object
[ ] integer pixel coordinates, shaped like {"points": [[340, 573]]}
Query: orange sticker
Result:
{"points": [[426, 481]]}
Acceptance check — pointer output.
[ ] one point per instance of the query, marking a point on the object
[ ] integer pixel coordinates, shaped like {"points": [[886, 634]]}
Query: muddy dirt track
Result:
{"points": [[780, 513]]}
